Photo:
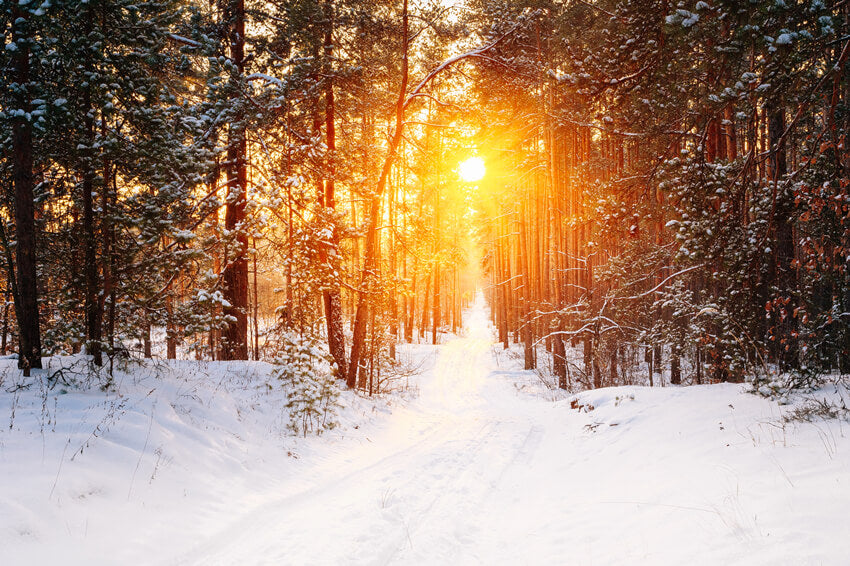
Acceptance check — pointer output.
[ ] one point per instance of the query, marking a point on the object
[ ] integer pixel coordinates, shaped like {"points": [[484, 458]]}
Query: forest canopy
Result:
{"points": [[644, 190]]}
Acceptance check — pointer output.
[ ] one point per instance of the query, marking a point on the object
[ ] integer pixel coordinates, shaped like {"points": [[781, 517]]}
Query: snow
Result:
{"points": [[784, 39], [189, 463]]}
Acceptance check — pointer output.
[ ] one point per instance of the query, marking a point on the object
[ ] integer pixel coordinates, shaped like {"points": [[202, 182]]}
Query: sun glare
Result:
{"points": [[472, 169]]}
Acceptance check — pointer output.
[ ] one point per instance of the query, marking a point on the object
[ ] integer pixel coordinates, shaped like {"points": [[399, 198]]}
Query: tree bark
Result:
{"points": [[92, 302], [331, 295], [235, 276], [784, 316], [26, 276], [559, 360], [369, 276], [675, 367]]}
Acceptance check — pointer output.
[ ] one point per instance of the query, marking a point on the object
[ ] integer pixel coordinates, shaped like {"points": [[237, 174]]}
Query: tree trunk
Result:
{"points": [[731, 136], [146, 338], [107, 297], [26, 297], [331, 295], [784, 316], [235, 276], [527, 328], [426, 310], [559, 360], [370, 265], [435, 304], [170, 331], [256, 308], [675, 367], [6, 301], [93, 310]]}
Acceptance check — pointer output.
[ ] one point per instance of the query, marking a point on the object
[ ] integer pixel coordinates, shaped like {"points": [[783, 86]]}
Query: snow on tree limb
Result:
{"points": [[477, 52], [660, 285], [184, 40]]}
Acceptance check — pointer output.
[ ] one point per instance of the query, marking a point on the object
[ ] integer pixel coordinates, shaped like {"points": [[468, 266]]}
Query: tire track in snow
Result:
{"points": [[420, 502]]}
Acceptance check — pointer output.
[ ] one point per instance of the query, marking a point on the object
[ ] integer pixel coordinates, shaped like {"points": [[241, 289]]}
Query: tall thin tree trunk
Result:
{"points": [[235, 276], [256, 308], [26, 276], [784, 316], [435, 304], [426, 301], [675, 366], [370, 265], [93, 310], [331, 295], [107, 298], [7, 296], [731, 135], [146, 337]]}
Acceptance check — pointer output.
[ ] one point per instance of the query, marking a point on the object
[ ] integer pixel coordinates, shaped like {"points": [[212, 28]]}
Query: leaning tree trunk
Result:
{"points": [[370, 263]]}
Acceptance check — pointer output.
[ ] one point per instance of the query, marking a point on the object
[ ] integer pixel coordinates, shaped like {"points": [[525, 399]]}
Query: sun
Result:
{"points": [[472, 169]]}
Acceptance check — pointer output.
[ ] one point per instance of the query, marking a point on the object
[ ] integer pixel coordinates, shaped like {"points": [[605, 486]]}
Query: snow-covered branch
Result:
{"points": [[660, 285], [455, 59]]}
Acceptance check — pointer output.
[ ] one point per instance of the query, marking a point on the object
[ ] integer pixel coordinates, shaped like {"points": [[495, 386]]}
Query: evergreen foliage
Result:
{"points": [[666, 189], [312, 394]]}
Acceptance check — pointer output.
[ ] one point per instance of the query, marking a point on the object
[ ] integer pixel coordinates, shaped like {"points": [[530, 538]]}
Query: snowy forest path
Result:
{"points": [[482, 467], [430, 488]]}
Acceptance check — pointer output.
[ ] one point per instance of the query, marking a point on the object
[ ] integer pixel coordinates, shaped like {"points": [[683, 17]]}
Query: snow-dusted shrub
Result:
{"points": [[312, 395]]}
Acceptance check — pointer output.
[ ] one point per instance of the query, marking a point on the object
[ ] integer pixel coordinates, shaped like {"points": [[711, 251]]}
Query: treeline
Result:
{"points": [[666, 188], [675, 188], [219, 175]]}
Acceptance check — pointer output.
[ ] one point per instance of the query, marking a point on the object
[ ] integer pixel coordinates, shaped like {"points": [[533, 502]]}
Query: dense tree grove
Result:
{"points": [[683, 173], [666, 197]]}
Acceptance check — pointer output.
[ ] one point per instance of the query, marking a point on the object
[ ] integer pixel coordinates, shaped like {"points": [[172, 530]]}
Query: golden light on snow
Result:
{"points": [[472, 169]]}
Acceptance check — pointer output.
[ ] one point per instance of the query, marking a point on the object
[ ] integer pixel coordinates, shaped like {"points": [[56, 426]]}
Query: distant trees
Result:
{"points": [[678, 147], [665, 191], [195, 174]]}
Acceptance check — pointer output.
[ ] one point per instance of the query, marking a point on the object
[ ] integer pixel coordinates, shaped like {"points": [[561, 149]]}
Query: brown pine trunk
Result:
{"points": [[784, 320], [675, 367], [214, 337], [107, 298], [26, 276], [411, 305], [92, 304], [256, 308], [527, 332], [393, 298], [370, 264], [559, 361], [146, 338], [7, 296], [235, 276], [331, 295], [731, 135], [711, 141], [435, 304], [500, 293], [614, 378], [426, 301]]}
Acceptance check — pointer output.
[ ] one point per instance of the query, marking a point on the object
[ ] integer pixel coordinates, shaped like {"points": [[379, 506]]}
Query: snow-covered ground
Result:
{"points": [[194, 466]]}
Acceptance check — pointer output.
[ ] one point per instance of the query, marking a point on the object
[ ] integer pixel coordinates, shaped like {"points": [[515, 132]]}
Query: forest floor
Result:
{"points": [[478, 463]]}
